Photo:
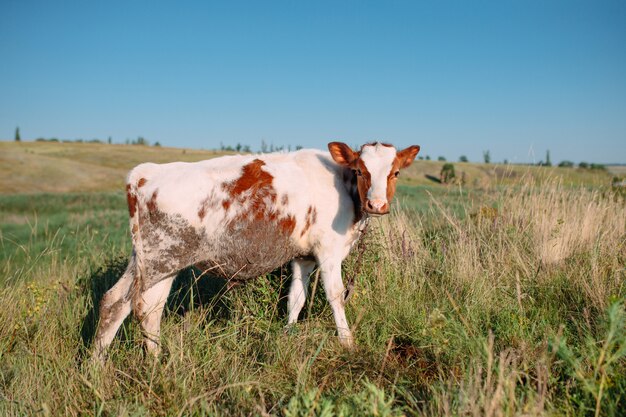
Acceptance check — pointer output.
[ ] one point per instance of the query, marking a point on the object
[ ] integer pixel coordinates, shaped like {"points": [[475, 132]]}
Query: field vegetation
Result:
{"points": [[504, 296]]}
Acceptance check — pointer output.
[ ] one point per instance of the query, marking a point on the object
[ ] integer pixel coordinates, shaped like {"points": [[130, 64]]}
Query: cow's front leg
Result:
{"points": [[301, 269], [333, 286]]}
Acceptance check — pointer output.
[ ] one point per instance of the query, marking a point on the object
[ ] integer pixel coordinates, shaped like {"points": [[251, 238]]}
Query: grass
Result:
{"points": [[501, 299]]}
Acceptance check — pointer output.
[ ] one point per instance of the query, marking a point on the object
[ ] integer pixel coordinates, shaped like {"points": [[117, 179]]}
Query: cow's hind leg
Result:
{"points": [[148, 307], [114, 308]]}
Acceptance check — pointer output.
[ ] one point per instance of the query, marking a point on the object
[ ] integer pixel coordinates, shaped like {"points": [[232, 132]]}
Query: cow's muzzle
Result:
{"points": [[376, 207]]}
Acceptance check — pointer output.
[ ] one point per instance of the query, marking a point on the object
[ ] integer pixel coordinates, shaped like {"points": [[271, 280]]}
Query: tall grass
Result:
{"points": [[493, 306]]}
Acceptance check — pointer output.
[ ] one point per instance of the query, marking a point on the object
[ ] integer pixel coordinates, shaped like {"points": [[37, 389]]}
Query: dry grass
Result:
{"points": [[27, 167]]}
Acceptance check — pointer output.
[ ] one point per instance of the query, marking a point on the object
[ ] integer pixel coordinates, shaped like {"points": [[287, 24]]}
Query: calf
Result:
{"points": [[244, 216]]}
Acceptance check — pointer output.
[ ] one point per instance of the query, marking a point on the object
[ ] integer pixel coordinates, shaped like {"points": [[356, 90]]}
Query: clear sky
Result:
{"points": [[457, 77]]}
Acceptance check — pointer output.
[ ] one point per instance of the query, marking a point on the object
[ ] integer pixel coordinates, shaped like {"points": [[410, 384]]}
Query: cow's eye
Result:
{"points": [[395, 174], [358, 172]]}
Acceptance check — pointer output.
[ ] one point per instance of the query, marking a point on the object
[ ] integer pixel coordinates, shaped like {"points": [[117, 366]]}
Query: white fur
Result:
{"points": [[378, 159]]}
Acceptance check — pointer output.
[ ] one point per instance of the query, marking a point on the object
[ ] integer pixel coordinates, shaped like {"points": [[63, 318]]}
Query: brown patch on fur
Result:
{"points": [[142, 182], [252, 179], [134, 229], [152, 206], [254, 188], [131, 199], [363, 181], [310, 219], [284, 200], [287, 224], [392, 179], [208, 203], [181, 250]]}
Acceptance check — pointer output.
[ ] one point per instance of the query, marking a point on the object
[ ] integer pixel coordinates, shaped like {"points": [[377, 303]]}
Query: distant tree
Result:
{"points": [[548, 162], [486, 157], [157, 144], [441, 158], [263, 146], [421, 158], [566, 164], [141, 141], [599, 167], [17, 134], [428, 157], [463, 158], [447, 173], [109, 140], [238, 147], [246, 149], [583, 165], [298, 147], [506, 161]]}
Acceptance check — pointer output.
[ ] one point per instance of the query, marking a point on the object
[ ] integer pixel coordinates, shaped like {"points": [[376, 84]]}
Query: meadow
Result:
{"points": [[504, 296]]}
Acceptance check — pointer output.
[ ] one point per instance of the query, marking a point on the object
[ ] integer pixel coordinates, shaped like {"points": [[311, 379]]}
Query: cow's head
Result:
{"points": [[376, 166]]}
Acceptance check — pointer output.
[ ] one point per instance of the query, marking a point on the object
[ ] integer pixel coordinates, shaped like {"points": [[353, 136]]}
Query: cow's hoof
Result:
{"points": [[290, 329], [347, 342]]}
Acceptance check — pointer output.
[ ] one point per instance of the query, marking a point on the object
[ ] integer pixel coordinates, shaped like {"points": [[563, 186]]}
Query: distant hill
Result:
{"points": [[30, 167], [27, 167]]}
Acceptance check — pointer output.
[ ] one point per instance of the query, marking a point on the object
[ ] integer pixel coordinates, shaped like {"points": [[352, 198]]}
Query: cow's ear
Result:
{"points": [[342, 153], [406, 156]]}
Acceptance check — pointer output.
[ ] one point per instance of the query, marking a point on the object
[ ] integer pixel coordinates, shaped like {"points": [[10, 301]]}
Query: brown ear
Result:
{"points": [[342, 153], [406, 156]]}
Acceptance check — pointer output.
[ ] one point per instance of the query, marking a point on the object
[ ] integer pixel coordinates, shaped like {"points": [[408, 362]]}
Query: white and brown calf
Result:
{"points": [[244, 216]]}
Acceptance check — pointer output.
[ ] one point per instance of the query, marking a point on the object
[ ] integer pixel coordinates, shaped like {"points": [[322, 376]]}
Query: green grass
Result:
{"points": [[458, 310], [37, 227]]}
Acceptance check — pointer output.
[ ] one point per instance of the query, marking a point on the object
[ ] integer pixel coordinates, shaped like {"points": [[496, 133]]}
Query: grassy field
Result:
{"points": [[28, 167], [503, 297]]}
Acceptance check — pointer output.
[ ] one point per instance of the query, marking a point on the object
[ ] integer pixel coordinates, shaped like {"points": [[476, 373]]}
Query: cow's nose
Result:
{"points": [[376, 206]]}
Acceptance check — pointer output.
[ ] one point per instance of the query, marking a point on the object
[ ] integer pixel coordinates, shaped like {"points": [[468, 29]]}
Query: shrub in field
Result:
{"points": [[447, 174]]}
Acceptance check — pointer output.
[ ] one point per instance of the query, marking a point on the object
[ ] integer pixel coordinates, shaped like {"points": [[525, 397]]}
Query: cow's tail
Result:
{"points": [[133, 196]]}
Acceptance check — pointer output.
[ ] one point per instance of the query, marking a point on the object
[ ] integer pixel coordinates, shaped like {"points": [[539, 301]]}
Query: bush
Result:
{"points": [[447, 174], [566, 164]]}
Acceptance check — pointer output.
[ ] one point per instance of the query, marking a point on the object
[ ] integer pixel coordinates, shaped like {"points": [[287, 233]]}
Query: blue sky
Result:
{"points": [[457, 77]]}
